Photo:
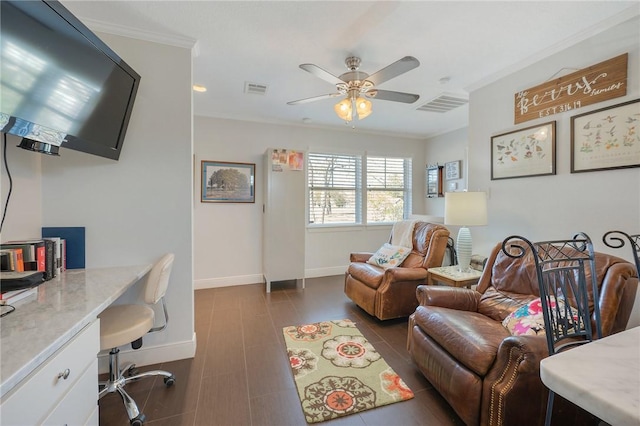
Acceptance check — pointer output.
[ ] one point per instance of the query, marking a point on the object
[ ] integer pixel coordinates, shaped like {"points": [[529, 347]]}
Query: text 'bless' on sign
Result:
{"points": [[597, 83]]}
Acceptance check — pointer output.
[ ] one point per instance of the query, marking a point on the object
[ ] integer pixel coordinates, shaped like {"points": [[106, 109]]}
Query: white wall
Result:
{"points": [[548, 207], [24, 215], [450, 146], [227, 240], [134, 209], [556, 206]]}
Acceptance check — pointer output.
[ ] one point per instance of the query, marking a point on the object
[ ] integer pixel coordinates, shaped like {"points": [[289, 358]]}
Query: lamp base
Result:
{"points": [[463, 249]]}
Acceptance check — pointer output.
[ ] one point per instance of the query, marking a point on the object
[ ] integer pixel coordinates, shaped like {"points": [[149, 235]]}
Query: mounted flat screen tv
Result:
{"points": [[60, 85]]}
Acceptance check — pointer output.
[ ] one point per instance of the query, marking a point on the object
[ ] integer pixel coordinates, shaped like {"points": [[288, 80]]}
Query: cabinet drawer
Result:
{"points": [[80, 402], [94, 418], [33, 399]]}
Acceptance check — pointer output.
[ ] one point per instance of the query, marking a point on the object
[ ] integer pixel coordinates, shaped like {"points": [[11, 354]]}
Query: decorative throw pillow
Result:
{"points": [[389, 256], [528, 319]]}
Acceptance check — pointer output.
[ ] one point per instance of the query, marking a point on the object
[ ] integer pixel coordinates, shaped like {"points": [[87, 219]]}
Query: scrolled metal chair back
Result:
{"points": [[617, 239], [565, 269]]}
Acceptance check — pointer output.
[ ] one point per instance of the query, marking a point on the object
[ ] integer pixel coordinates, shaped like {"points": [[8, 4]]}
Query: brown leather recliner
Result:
{"points": [[391, 293], [489, 377]]}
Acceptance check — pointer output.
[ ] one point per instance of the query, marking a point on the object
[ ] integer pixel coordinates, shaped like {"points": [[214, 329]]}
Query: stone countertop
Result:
{"points": [[63, 306], [603, 377]]}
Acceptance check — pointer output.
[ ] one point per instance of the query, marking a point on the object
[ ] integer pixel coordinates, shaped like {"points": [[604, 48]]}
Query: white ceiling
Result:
{"points": [[471, 43]]}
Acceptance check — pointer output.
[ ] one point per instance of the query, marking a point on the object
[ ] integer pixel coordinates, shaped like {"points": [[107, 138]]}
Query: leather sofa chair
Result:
{"points": [[391, 293], [488, 376]]}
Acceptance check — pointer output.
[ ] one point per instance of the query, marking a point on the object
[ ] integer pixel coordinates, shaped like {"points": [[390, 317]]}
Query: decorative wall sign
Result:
{"points": [[524, 152], [597, 83], [606, 138], [224, 182]]}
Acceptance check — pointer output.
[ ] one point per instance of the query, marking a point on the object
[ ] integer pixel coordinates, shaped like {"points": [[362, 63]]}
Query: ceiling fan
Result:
{"points": [[356, 86]]}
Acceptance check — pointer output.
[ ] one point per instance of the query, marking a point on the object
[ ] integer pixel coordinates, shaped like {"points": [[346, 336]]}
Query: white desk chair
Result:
{"points": [[123, 324]]}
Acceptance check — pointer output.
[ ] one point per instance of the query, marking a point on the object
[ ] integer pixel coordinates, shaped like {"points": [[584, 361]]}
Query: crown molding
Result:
{"points": [[121, 30], [626, 15]]}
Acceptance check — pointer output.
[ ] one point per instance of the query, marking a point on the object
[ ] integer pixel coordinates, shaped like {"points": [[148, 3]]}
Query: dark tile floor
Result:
{"points": [[240, 374]]}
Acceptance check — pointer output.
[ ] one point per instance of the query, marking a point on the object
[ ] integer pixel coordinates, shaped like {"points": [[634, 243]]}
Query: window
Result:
{"points": [[335, 194], [337, 189], [388, 189]]}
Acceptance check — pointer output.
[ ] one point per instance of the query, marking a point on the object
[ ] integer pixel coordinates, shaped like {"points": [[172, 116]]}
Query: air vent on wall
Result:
{"points": [[443, 103], [255, 88]]}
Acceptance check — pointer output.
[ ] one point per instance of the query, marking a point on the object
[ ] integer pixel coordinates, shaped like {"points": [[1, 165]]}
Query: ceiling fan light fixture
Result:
{"points": [[343, 109], [363, 107]]}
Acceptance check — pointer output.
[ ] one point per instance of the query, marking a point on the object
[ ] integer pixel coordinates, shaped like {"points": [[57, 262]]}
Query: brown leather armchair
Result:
{"points": [[391, 293], [489, 377]]}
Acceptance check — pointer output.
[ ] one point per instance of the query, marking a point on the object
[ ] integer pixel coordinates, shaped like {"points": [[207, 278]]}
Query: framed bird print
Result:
{"points": [[606, 138], [524, 152]]}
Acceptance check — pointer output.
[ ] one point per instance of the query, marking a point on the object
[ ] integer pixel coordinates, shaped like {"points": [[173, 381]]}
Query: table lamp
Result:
{"points": [[465, 209]]}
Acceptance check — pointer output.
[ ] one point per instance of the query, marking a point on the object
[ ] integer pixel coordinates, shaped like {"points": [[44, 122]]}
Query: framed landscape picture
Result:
{"points": [[525, 152], [606, 138], [224, 182]]}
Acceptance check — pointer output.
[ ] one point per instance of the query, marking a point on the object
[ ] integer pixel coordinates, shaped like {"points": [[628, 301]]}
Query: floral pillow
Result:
{"points": [[528, 319], [389, 256]]}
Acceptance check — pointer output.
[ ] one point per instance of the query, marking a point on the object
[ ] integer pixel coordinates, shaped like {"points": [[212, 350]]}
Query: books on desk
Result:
{"points": [[14, 297], [43, 255], [59, 249], [73, 243], [11, 259], [33, 253], [16, 286]]}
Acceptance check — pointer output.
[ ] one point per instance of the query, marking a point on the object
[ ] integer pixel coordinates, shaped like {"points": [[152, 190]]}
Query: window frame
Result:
{"points": [[362, 188]]}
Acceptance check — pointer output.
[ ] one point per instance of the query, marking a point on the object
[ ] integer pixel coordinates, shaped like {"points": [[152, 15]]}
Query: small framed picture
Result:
{"points": [[224, 182], [452, 170], [524, 152], [606, 138]]}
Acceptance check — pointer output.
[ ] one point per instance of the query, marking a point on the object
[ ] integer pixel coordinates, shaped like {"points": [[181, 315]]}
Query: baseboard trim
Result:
{"points": [[259, 278], [325, 272], [228, 281], [148, 355]]}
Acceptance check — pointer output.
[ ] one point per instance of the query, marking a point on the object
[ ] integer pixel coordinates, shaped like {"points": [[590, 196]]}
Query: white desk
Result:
{"points": [[603, 377], [64, 306]]}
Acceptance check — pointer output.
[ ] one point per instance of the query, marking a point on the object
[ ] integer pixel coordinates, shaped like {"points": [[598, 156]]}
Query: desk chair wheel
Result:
{"points": [[132, 371], [138, 421], [169, 381]]}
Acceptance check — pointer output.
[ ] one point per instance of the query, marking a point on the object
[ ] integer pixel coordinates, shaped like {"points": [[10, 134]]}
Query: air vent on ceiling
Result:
{"points": [[255, 88], [443, 103]]}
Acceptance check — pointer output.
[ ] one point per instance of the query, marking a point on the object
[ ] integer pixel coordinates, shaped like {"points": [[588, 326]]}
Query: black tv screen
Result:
{"points": [[60, 84]]}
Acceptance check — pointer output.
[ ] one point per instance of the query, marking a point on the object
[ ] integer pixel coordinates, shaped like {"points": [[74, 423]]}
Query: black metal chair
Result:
{"points": [[616, 239], [565, 270]]}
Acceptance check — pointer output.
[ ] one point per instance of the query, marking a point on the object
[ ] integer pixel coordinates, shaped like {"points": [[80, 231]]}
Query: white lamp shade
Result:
{"points": [[465, 208]]}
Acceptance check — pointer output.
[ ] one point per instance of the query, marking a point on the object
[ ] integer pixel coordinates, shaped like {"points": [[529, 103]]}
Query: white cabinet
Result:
{"points": [[62, 390], [284, 216]]}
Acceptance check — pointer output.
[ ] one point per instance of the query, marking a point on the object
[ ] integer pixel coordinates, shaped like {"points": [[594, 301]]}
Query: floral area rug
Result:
{"points": [[338, 372]]}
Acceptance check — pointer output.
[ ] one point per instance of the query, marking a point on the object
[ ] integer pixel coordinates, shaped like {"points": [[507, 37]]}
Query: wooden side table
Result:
{"points": [[450, 275]]}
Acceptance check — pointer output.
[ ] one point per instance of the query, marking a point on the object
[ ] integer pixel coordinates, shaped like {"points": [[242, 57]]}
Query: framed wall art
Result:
{"points": [[452, 170], [524, 152], [606, 138], [224, 182]]}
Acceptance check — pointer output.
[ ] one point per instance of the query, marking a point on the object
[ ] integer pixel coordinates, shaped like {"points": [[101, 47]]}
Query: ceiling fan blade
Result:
{"points": [[395, 69], [315, 98], [389, 95], [320, 73]]}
